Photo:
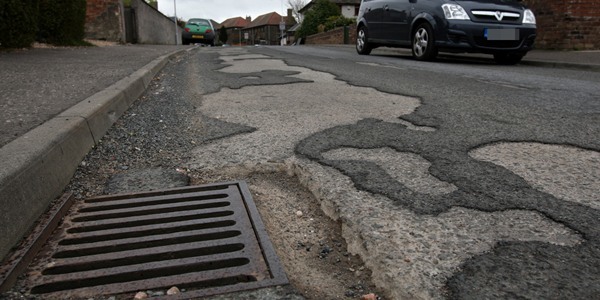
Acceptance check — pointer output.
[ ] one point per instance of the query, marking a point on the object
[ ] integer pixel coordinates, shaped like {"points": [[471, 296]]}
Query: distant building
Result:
{"points": [[265, 29], [234, 28]]}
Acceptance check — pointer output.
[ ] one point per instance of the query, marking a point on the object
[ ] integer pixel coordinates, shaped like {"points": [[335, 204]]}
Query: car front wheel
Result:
{"points": [[423, 44], [362, 41]]}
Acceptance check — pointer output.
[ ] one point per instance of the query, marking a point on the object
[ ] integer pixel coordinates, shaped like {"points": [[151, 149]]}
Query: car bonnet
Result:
{"points": [[491, 4]]}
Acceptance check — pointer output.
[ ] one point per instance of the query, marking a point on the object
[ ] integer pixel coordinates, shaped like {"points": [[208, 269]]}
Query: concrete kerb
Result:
{"points": [[530, 61], [560, 65], [36, 167]]}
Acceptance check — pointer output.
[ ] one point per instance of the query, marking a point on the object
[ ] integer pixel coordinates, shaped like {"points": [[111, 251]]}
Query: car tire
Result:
{"points": [[423, 43], [185, 42], [362, 41], [508, 58]]}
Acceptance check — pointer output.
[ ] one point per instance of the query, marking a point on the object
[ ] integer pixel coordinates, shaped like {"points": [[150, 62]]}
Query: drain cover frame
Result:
{"points": [[208, 239]]}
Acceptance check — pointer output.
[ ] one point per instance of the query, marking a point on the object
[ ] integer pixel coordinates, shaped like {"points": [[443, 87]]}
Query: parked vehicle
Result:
{"points": [[503, 28], [198, 31]]}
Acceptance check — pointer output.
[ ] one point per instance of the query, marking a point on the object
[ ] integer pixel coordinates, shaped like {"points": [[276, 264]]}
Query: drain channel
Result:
{"points": [[207, 239]]}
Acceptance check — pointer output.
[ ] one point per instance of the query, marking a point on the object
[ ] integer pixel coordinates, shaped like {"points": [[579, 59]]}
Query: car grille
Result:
{"points": [[500, 17]]}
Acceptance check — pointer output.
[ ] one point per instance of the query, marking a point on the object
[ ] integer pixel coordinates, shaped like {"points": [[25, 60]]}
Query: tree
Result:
{"points": [[317, 15], [296, 6], [223, 35]]}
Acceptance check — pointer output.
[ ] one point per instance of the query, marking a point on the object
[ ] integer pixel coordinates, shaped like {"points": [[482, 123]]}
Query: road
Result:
{"points": [[456, 179]]}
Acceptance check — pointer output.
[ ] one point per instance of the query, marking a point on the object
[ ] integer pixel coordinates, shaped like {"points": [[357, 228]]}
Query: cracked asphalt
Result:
{"points": [[454, 179]]}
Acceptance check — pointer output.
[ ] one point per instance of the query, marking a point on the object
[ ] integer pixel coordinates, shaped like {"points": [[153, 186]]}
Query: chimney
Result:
{"points": [[290, 20], [249, 19]]}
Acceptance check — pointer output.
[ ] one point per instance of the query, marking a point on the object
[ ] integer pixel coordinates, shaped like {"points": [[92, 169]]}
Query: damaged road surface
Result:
{"points": [[462, 182], [380, 174]]}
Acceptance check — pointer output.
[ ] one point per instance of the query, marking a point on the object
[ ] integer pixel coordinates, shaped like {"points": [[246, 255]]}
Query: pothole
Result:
{"points": [[308, 243]]}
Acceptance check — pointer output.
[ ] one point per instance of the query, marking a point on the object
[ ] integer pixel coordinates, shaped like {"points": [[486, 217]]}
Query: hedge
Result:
{"points": [[18, 23], [61, 22]]}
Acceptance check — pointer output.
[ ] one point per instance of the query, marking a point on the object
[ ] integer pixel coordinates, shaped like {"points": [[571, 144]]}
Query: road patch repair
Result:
{"points": [[205, 239], [341, 141]]}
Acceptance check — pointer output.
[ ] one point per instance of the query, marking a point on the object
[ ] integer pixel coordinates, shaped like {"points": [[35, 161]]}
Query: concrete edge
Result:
{"points": [[36, 167], [560, 65]]}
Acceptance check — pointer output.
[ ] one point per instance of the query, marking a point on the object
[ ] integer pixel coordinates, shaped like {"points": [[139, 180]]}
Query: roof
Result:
{"points": [[272, 19], [294, 28], [237, 22]]}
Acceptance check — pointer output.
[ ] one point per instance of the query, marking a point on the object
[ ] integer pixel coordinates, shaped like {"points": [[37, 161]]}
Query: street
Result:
{"points": [[456, 179]]}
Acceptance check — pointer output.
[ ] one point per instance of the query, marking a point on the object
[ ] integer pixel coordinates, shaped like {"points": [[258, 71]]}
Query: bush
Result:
{"points": [[18, 23], [316, 16], [223, 36], [62, 22], [338, 21]]}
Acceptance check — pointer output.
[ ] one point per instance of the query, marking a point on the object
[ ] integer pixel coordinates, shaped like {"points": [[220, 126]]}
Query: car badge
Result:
{"points": [[499, 15]]}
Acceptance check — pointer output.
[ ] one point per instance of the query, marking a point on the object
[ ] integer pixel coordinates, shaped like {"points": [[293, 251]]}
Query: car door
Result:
{"points": [[396, 14], [373, 15]]}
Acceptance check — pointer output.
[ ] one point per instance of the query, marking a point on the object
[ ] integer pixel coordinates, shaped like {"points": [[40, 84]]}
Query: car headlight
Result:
{"points": [[528, 17], [455, 12]]}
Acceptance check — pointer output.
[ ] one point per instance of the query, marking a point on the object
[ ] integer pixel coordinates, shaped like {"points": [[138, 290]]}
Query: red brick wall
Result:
{"points": [[567, 24], [104, 20], [334, 36]]}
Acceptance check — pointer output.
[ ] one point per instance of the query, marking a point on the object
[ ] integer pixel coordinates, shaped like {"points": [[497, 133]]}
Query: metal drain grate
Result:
{"points": [[207, 239]]}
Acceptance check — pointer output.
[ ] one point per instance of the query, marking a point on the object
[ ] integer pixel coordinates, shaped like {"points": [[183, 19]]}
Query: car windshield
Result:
{"points": [[198, 22]]}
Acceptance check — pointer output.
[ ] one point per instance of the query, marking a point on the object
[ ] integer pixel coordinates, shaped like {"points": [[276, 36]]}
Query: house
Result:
{"points": [[348, 8], [234, 27], [291, 34], [216, 25], [268, 29]]}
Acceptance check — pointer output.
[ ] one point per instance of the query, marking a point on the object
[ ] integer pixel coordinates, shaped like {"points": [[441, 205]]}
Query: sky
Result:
{"points": [[221, 10]]}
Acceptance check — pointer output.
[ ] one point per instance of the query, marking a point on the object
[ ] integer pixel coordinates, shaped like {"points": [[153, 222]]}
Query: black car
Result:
{"points": [[504, 28]]}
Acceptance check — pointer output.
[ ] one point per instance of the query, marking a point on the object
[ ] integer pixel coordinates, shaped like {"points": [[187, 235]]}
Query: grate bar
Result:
{"points": [[151, 210], [154, 200], [143, 242], [147, 230], [93, 254], [130, 257], [146, 220], [149, 270], [197, 280]]}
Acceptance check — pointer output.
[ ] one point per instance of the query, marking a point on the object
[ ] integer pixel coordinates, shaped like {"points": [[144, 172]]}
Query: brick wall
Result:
{"points": [[335, 36], [104, 20], [567, 24]]}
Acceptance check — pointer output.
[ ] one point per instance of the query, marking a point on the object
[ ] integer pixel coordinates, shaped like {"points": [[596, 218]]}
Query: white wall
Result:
{"points": [[348, 11]]}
